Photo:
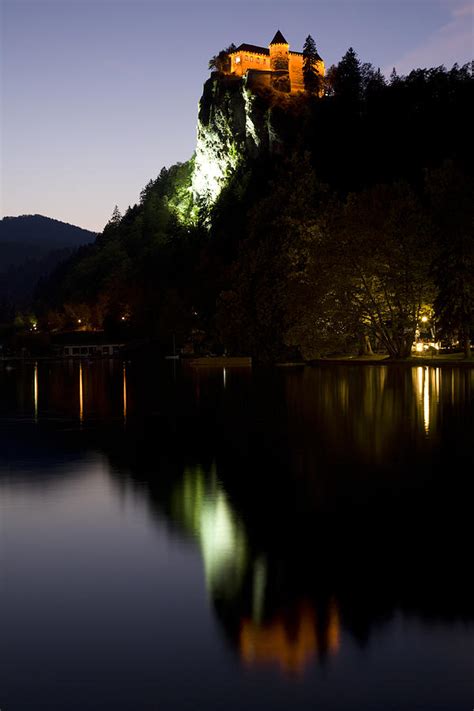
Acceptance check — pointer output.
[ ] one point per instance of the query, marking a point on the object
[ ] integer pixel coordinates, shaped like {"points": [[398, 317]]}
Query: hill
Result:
{"points": [[31, 246], [32, 236]]}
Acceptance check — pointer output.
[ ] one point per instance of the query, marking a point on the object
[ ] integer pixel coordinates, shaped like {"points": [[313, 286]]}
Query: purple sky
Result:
{"points": [[98, 96]]}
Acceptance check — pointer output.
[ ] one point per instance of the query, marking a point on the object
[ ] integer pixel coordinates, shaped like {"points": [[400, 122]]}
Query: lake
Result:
{"points": [[279, 539]]}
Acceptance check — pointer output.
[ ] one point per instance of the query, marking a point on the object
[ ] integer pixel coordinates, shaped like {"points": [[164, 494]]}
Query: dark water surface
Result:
{"points": [[284, 539]]}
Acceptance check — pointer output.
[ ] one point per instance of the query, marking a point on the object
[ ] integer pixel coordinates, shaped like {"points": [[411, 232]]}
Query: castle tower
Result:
{"points": [[279, 62]]}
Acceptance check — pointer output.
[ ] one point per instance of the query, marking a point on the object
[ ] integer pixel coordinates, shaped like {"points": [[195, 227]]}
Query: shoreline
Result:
{"points": [[247, 362], [413, 362]]}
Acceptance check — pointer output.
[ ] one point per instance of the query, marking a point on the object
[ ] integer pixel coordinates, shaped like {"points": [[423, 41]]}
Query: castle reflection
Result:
{"points": [[241, 587], [290, 643]]}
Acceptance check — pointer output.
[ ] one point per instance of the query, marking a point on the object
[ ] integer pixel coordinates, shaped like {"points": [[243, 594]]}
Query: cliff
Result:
{"points": [[234, 124]]}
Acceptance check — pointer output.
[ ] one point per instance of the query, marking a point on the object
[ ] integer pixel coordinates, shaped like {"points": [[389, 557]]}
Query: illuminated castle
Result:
{"points": [[273, 66]]}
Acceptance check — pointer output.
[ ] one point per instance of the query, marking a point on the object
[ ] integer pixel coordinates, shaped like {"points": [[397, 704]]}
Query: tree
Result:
{"points": [[451, 197], [221, 62], [386, 253], [372, 80], [112, 225], [311, 75], [394, 78], [116, 216], [347, 79]]}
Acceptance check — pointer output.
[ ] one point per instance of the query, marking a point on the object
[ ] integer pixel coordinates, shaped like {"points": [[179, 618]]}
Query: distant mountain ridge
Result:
{"points": [[39, 232], [31, 246]]}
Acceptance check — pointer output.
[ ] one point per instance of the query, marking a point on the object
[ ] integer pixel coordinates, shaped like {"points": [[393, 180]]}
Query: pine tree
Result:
{"points": [[116, 216], [311, 76], [373, 81], [112, 225], [347, 82], [394, 78]]}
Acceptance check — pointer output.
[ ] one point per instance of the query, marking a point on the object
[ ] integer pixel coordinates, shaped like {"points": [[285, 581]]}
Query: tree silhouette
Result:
{"points": [[311, 76], [116, 218], [451, 197], [347, 79], [221, 62]]}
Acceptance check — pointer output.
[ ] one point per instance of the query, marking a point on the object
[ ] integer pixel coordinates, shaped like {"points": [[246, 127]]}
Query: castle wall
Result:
{"points": [[296, 72], [242, 61], [279, 63], [258, 78], [279, 57]]}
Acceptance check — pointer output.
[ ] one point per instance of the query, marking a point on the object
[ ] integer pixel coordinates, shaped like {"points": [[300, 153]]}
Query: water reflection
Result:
{"points": [[428, 386], [290, 642], [124, 393], [284, 591], [266, 630], [323, 502], [368, 407], [201, 505], [81, 393], [35, 390]]}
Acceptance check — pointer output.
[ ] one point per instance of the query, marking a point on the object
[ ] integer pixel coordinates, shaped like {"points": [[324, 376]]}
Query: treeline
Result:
{"points": [[341, 242]]}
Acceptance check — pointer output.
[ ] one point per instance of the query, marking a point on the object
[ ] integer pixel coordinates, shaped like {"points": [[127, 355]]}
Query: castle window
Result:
{"points": [[237, 60]]}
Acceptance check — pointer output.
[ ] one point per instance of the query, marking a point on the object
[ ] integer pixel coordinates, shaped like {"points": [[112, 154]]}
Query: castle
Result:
{"points": [[274, 66]]}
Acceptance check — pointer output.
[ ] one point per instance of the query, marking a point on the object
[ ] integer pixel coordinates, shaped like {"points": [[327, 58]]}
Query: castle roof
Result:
{"points": [[251, 48], [278, 39], [256, 49]]}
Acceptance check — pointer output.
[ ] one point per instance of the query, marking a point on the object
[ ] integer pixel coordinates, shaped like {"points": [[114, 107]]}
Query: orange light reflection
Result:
{"points": [[81, 399], [124, 394], [290, 648]]}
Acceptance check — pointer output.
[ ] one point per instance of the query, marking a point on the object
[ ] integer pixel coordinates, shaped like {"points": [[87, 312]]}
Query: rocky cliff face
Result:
{"points": [[234, 124]]}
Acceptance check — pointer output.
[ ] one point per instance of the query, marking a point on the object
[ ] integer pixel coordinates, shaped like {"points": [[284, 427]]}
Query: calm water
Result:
{"points": [[226, 540]]}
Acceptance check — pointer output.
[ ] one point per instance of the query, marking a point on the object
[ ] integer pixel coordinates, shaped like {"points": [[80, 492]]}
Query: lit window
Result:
{"points": [[237, 60]]}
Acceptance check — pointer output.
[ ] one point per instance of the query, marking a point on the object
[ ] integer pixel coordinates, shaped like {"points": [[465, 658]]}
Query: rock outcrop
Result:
{"points": [[234, 124]]}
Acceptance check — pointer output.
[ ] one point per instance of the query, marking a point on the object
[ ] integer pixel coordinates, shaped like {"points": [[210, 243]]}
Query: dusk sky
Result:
{"points": [[98, 96]]}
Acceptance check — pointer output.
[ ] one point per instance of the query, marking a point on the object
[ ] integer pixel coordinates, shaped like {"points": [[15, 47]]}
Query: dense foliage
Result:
{"points": [[337, 243]]}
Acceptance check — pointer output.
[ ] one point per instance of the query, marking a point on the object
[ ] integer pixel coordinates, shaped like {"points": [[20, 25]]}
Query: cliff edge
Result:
{"points": [[234, 124]]}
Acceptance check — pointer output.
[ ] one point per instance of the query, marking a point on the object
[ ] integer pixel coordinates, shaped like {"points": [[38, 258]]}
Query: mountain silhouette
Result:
{"points": [[30, 248]]}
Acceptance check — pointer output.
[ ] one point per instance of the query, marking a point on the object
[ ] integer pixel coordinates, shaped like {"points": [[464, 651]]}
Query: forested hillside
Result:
{"points": [[355, 224], [30, 248]]}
